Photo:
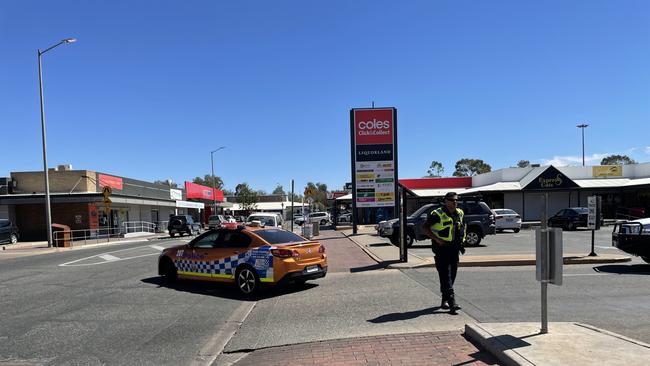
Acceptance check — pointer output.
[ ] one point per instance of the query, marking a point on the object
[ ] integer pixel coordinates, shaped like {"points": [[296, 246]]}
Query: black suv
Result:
{"points": [[478, 217], [183, 224], [8, 232]]}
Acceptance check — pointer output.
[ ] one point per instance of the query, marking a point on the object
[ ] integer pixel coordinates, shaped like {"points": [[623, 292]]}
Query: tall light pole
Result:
{"points": [[48, 214], [214, 196], [582, 127]]}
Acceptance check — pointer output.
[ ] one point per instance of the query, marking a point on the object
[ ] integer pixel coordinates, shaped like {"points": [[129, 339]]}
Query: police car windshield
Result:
{"points": [[279, 236]]}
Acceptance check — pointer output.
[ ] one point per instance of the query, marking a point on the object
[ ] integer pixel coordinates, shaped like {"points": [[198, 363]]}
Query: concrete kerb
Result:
{"points": [[566, 343], [380, 252], [41, 246]]}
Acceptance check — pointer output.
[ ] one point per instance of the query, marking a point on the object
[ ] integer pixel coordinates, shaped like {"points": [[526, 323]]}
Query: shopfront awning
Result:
{"points": [[188, 204]]}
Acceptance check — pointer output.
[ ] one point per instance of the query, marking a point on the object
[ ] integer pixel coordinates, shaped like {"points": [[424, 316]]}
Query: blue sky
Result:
{"points": [[151, 87]]}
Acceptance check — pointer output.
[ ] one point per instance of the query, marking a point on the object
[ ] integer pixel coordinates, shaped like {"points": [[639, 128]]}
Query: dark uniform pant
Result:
{"points": [[447, 265]]}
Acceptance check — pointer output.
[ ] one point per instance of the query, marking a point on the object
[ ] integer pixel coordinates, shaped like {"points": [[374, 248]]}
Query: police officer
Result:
{"points": [[446, 229]]}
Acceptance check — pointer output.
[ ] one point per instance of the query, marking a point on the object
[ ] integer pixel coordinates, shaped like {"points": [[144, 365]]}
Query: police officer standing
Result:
{"points": [[446, 229]]}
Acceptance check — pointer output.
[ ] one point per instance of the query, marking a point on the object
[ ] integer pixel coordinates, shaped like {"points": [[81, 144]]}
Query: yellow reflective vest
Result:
{"points": [[443, 229]]}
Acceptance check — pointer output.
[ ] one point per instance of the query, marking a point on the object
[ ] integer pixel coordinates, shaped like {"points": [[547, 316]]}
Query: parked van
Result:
{"points": [[265, 219]]}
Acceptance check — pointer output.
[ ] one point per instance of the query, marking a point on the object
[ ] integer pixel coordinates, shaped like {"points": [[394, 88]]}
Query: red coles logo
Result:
{"points": [[373, 126]]}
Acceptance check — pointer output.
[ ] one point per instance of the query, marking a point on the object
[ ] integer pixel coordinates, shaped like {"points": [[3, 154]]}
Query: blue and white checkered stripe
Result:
{"points": [[259, 258]]}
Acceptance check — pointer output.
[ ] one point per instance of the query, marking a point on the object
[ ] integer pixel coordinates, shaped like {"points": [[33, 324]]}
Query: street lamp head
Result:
{"points": [[69, 40], [583, 125]]}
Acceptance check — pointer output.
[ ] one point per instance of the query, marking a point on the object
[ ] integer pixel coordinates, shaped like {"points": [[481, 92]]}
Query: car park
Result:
{"points": [[506, 219], [478, 218], [633, 237], [265, 219], [183, 224], [8, 232], [247, 256], [569, 218]]}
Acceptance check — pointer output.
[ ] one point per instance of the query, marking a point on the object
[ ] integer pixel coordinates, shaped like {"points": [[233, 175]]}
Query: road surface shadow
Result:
{"points": [[225, 290], [373, 267], [636, 269], [394, 317]]}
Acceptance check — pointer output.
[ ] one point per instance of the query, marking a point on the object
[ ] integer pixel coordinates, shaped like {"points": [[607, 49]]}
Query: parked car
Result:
{"points": [[569, 218], [345, 217], [248, 257], [506, 219], [478, 217], [183, 224], [215, 221], [8, 232], [321, 218], [633, 237], [265, 219]]}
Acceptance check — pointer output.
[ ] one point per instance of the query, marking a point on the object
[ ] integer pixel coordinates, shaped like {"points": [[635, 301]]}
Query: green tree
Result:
{"points": [[523, 164], [435, 169], [319, 196], [470, 167], [617, 160], [167, 183], [279, 190], [207, 181], [247, 197]]}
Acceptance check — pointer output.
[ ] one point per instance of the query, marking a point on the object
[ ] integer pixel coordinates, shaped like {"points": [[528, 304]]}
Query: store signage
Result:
{"points": [[176, 194], [198, 191], [607, 171], [110, 181], [551, 178], [374, 149]]}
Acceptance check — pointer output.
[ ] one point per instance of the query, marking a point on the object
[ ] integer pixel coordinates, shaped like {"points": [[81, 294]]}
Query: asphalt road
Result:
{"points": [[107, 305], [615, 297]]}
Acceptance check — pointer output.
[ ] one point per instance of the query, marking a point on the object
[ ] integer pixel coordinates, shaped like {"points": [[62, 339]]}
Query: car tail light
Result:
{"points": [[321, 249], [518, 216], [284, 253], [499, 217]]}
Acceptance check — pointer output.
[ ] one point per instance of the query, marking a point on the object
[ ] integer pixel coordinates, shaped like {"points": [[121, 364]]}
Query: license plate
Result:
{"points": [[510, 220], [311, 269]]}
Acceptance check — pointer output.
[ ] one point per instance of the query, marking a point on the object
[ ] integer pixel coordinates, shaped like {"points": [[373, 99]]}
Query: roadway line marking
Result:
{"points": [[157, 247], [585, 274], [108, 257], [71, 264]]}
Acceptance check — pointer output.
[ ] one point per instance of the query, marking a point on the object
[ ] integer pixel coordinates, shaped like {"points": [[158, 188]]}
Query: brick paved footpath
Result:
{"points": [[435, 348]]}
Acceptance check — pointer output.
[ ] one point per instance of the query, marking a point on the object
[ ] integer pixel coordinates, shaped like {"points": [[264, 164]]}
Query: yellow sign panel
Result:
{"points": [[309, 192], [607, 171]]}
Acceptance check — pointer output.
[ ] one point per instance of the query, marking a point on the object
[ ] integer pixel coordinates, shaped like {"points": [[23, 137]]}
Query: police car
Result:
{"points": [[247, 256]]}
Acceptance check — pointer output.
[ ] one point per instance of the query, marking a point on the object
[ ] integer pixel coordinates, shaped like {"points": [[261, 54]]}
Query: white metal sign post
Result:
{"points": [[593, 219]]}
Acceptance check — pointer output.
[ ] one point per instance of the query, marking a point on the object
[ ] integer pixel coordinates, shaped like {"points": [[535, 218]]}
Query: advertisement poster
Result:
{"points": [[374, 164], [93, 219]]}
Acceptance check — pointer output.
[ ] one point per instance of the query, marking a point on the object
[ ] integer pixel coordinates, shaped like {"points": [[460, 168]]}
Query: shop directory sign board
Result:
{"points": [[374, 156]]}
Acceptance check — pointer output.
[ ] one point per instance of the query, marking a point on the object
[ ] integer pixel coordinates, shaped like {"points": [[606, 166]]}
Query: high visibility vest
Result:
{"points": [[443, 229]]}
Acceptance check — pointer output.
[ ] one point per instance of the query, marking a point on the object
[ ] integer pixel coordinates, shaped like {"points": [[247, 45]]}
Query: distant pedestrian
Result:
{"points": [[446, 229]]}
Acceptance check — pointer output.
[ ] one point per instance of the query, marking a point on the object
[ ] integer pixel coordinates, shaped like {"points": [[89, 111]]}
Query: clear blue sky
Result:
{"points": [[152, 86]]}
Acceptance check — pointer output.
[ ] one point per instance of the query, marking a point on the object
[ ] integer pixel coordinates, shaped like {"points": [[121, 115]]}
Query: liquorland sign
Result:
{"points": [[374, 156]]}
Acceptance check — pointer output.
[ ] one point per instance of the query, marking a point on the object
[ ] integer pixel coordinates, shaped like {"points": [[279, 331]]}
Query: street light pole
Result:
{"points": [[48, 213], [214, 196], [583, 126]]}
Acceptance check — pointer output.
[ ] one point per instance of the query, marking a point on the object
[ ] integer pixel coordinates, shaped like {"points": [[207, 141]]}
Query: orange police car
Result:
{"points": [[247, 256]]}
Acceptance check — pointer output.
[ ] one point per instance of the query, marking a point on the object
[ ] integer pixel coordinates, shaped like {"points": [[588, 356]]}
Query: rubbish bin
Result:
{"points": [[61, 235], [315, 229], [307, 230]]}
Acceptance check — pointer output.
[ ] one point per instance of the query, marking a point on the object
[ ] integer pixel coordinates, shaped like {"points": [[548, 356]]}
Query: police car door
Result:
{"points": [[231, 251], [195, 261]]}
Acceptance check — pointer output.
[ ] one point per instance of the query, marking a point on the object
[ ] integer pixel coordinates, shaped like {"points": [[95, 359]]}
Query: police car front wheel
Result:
{"points": [[247, 280]]}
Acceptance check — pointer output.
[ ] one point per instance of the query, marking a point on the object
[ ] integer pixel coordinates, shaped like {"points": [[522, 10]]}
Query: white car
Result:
{"points": [[265, 219], [507, 219], [321, 218]]}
